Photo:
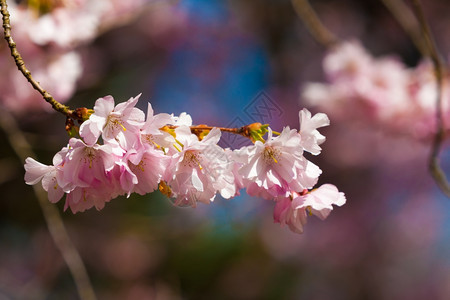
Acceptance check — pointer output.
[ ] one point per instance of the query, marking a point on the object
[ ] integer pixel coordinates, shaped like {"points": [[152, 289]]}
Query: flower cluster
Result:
{"points": [[121, 151], [382, 90]]}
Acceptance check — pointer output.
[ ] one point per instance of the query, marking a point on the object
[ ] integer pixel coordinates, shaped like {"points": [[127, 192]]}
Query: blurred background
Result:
{"points": [[225, 63]]}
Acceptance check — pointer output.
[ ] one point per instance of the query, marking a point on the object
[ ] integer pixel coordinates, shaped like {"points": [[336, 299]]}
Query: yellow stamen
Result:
{"points": [[164, 189], [176, 147], [141, 165], [190, 157], [156, 145], [168, 130], [179, 143], [273, 157]]}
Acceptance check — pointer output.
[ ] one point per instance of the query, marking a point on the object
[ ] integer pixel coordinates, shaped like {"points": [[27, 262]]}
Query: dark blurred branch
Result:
{"points": [[22, 68], [309, 17], [405, 17], [51, 215], [436, 171]]}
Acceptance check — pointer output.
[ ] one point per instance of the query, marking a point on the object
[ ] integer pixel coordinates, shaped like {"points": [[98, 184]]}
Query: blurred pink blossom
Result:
{"points": [[382, 91], [292, 210]]}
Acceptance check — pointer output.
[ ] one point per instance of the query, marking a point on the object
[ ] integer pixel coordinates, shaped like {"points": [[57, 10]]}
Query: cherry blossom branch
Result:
{"points": [[254, 131], [309, 17], [436, 171], [23, 69], [52, 217], [406, 18]]}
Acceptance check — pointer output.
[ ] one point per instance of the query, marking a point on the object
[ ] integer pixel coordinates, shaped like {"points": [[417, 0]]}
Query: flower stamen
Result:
{"points": [[191, 159], [165, 189], [271, 155]]}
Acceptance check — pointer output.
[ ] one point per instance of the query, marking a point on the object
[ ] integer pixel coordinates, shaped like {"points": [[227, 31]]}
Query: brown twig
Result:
{"points": [[405, 17], [52, 217], [244, 131], [320, 33], [200, 128], [21, 65], [435, 170]]}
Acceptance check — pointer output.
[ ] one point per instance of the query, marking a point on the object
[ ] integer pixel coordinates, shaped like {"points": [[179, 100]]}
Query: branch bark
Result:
{"points": [[406, 18], [23, 69], [309, 17], [434, 167], [51, 214]]}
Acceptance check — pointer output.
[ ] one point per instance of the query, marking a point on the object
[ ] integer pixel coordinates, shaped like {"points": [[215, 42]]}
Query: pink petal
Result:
{"points": [[34, 171]]}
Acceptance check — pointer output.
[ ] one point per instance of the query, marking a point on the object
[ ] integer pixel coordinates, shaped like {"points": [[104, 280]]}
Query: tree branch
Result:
{"points": [[52, 217], [21, 65], [309, 17], [435, 170], [406, 18]]}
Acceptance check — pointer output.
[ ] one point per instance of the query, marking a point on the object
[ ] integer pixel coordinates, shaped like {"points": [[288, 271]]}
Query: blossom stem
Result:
{"points": [[23, 69], [51, 214], [435, 170], [198, 129], [405, 17], [312, 22]]}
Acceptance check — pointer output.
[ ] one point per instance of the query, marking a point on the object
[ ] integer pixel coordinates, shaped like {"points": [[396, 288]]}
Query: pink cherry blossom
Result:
{"points": [[195, 175], [149, 167], [285, 214], [277, 166], [320, 201], [311, 138], [348, 61], [293, 210], [53, 40], [137, 156], [120, 123], [150, 132], [87, 166], [35, 172], [121, 178], [83, 198], [382, 91], [235, 181], [59, 71]]}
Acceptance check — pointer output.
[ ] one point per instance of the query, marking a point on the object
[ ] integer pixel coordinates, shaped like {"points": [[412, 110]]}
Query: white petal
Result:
{"points": [[34, 171], [196, 182]]}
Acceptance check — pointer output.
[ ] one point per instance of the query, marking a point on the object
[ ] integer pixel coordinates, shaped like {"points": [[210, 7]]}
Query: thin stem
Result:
{"points": [[309, 17], [405, 17], [21, 65], [52, 217], [198, 129], [436, 171]]}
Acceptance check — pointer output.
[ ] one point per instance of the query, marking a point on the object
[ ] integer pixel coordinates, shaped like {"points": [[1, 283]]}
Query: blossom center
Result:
{"points": [[271, 155], [114, 123], [89, 155], [191, 159], [140, 166], [150, 139]]}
